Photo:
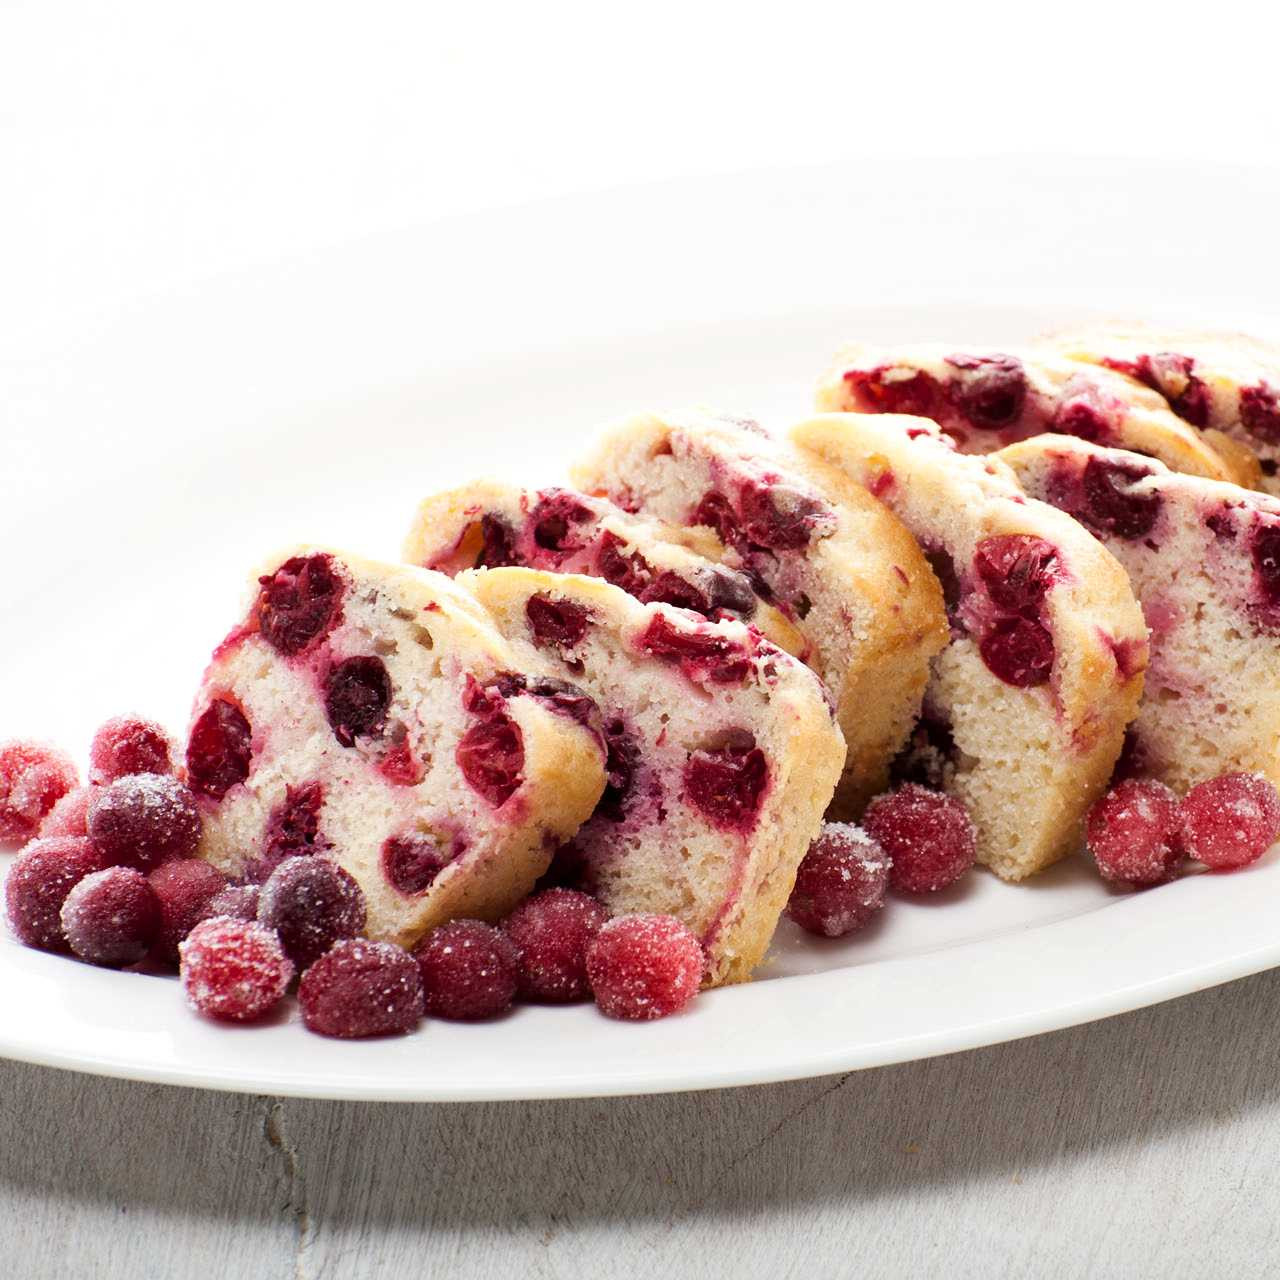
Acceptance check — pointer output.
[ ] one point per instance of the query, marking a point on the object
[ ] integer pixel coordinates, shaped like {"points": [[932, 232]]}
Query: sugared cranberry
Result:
{"points": [[1110, 504], [556, 624], [894, 389], [361, 989], [128, 745], [111, 917], [70, 816], [232, 969], [622, 759], [551, 931], [841, 882], [219, 749], [1260, 412], [642, 967], [38, 883], [293, 828], [1017, 570], [701, 652], [1019, 651], [728, 784], [1132, 832], [184, 889], [144, 819], [239, 901], [411, 862], [311, 903], [357, 694], [780, 517], [33, 778], [298, 603], [988, 391], [498, 541], [927, 836], [555, 518], [1229, 821], [468, 970], [491, 753]]}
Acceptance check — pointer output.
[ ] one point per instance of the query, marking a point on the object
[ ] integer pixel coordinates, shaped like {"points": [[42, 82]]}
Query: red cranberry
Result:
{"points": [[700, 652], [988, 391], [498, 541], [927, 836], [551, 931], [1110, 503], [357, 694], [111, 917], [361, 989], [644, 966], [400, 766], [233, 970], [1017, 570], [491, 753], [715, 513], [779, 516], [560, 696], [728, 785], [128, 745], [33, 778], [554, 518], [730, 591], [1132, 832], [1173, 376], [1085, 411], [468, 970], [630, 571], [239, 901], [1260, 412], [184, 889], [894, 389], [38, 883], [70, 816], [311, 903], [293, 828], [1229, 821], [670, 588], [556, 624], [219, 750], [622, 759], [298, 603], [145, 819], [1266, 574], [1019, 651], [412, 862], [841, 882]]}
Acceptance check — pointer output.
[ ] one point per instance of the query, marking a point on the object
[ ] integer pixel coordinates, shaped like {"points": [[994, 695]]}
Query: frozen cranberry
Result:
{"points": [[468, 970], [894, 389], [233, 970], [841, 882], [33, 778], [128, 745], [927, 836], [1266, 574], [219, 749], [1229, 821], [491, 756], [38, 883], [239, 901], [926, 755], [988, 391], [779, 516], [111, 917], [411, 862], [1110, 503], [357, 694], [700, 652], [1017, 570], [551, 931], [554, 520], [361, 989], [622, 759], [728, 784], [556, 624], [293, 828], [184, 888], [1019, 651], [70, 816], [311, 903], [1260, 412], [298, 603], [1132, 832], [498, 541], [644, 966], [145, 819]]}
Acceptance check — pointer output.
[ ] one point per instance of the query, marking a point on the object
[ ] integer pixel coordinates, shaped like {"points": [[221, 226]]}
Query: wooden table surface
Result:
{"points": [[1139, 1146]]}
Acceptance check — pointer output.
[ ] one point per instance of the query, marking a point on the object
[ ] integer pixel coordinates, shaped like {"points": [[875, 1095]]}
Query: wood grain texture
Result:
{"points": [[1138, 1146]]}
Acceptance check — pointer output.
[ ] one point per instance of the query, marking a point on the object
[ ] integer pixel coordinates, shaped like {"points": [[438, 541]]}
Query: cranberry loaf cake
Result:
{"points": [[722, 755], [368, 713], [986, 399], [1027, 707], [490, 524], [1204, 561], [1227, 385], [834, 561]]}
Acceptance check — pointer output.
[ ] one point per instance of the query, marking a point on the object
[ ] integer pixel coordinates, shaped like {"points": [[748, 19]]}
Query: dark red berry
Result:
{"points": [[1017, 570], [145, 819], [293, 828], [468, 970], [1019, 651], [715, 512], [1173, 376], [841, 882], [728, 784], [642, 967], [311, 903], [497, 544], [555, 519], [70, 816], [1084, 410], [411, 862], [894, 389], [1132, 832], [670, 588], [927, 836], [239, 901], [1260, 412], [1109, 503], [357, 695], [630, 571], [622, 760], [33, 778], [361, 989], [233, 970], [38, 883], [111, 917], [1265, 552], [779, 516], [701, 652], [298, 603], [988, 391], [184, 889], [491, 753], [128, 745], [1229, 821], [731, 591], [551, 931], [556, 624], [219, 749]]}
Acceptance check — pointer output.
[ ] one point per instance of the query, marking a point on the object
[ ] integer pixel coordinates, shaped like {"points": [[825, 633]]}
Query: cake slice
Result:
{"points": [[1203, 559], [984, 399], [722, 755], [1027, 707], [371, 714], [489, 524], [833, 561]]}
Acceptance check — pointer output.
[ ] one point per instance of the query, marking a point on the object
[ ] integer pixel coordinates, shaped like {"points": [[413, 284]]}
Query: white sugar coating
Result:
{"points": [[231, 968], [644, 966], [853, 842]]}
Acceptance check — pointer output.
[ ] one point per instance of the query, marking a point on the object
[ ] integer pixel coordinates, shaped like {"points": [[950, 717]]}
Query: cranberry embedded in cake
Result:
{"points": [[555, 522], [1016, 569], [357, 695], [1260, 412], [556, 624], [491, 753], [219, 749], [702, 653], [412, 861], [1264, 608], [299, 602], [1018, 650], [728, 783], [293, 828], [1108, 502], [987, 391], [891, 388]]}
